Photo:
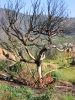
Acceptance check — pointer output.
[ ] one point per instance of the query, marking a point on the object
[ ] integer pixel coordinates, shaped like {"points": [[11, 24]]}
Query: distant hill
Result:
{"points": [[69, 23], [2, 35], [2, 18]]}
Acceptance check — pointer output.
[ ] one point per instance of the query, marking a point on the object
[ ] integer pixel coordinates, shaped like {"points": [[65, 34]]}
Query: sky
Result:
{"points": [[71, 7], [69, 3]]}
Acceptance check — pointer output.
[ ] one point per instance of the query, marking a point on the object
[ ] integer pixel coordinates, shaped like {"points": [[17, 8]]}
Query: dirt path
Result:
{"points": [[65, 87], [61, 87]]}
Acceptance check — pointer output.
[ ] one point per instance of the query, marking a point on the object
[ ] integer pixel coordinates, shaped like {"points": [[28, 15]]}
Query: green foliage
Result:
{"points": [[62, 60], [65, 74], [62, 68], [69, 74], [20, 93], [44, 97], [47, 96], [15, 93], [56, 75], [68, 96], [14, 69], [2, 65]]}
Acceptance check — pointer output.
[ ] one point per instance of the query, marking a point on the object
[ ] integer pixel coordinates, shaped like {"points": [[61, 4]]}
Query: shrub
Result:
{"points": [[56, 75], [3, 65]]}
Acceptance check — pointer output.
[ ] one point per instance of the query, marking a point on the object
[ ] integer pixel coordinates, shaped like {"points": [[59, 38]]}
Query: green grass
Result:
{"points": [[62, 60], [47, 60], [15, 93], [8, 92], [68, 96], [19, 93], [67, 74]]}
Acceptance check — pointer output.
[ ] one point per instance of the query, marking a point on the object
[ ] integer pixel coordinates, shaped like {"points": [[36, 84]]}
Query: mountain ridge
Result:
{"points": [[70, 23]]}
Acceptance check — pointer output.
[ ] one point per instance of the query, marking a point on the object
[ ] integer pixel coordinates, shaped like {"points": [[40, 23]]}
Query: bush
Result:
{"points": [[15, 69], [3, 65], [55, 75]]}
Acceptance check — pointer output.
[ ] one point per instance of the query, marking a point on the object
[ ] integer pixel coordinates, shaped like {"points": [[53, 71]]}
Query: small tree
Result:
{"points": [[31, 33]]}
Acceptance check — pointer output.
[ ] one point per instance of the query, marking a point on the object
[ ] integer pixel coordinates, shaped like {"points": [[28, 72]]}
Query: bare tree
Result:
{"points": [[31, 33]]}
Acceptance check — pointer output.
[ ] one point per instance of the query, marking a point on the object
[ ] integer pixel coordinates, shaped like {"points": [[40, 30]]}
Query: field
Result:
{"points": [[19, 82]]}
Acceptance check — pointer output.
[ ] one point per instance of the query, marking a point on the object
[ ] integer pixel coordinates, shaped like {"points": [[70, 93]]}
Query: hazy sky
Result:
{"points": [[69, 3]]}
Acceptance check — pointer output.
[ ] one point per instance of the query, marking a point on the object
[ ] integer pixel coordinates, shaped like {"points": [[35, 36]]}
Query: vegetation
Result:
{"points": [[7, 92], [20, 93], [29, 41], [36, 31], [13, 92], [68, 96]]}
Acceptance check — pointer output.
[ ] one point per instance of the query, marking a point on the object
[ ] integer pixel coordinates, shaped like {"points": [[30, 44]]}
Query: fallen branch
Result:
{"points": [[66, 88], [49, 72], [54, 70]]}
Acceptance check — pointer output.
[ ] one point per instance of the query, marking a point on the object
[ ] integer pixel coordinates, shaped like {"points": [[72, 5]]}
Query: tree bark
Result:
{"points": [[39, 69], [38, 62]]}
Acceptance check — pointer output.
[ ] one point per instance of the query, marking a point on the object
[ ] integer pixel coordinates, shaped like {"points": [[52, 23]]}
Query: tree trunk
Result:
{"points": [[73, 62], [38, 62], [39, 69]]}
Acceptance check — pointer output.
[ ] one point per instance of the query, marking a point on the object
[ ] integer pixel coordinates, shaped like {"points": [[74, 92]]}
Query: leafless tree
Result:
{"points": [[31, 33]]}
